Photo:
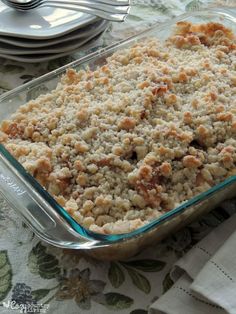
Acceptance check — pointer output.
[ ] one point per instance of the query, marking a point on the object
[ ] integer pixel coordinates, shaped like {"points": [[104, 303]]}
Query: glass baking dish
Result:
{"points": [[47, 218]]}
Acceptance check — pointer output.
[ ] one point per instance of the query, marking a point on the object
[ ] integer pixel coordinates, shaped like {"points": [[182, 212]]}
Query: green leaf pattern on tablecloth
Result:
{"points": [[39, 294], [116, 275], [140, 281], [41, 263], [5, 275], [194, 5], [38, 273], [117, 301], [12, 68], [139, 311], [146, 265], [167, 283]]}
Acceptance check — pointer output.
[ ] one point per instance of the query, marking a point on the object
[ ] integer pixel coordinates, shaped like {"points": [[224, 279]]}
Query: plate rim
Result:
{"points": [[100, 27], [37, 51], [52, 56], [88, 19]]}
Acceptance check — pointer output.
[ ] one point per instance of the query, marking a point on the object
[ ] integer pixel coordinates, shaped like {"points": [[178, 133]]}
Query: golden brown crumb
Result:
{"points": [[127, 123], [191, 162]]}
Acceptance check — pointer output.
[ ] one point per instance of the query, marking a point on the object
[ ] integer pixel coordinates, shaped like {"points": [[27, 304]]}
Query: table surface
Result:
{"points": [[54, 280]]}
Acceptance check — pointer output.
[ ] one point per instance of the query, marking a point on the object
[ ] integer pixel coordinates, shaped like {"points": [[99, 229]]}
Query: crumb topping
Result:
{"points": [[156, 125]]}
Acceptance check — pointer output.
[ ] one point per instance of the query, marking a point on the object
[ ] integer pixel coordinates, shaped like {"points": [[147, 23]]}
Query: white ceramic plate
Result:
{"points": [[47, 57], [33, 43], [41, 23], [58, 48]]}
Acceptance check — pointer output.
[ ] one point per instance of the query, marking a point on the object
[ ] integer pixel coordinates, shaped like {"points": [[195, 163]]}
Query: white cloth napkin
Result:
{"points": [[205, 278]]}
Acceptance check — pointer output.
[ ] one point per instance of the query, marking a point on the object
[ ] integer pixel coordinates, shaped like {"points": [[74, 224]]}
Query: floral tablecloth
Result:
{"points": [[36, 277]]}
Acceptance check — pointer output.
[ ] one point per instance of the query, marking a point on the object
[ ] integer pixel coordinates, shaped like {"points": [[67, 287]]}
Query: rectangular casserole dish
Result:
{"points": [[47, 218]]}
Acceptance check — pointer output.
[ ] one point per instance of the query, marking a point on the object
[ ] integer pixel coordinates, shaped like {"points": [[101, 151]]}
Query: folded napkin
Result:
{"points": [[205, 278]]}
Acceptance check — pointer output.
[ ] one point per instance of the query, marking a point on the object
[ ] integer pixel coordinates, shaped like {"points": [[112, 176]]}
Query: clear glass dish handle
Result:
{"points": [[37, 213]]}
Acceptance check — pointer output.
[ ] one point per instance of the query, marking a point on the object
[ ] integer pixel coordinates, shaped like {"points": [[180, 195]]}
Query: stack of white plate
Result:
{"points": [[45, 33]]}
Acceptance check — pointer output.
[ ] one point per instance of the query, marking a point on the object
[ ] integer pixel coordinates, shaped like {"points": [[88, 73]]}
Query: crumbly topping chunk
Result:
{"points": [[153, 127]]}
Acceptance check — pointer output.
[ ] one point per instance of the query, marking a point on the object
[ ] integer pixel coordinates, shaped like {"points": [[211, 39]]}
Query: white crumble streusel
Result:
{"points": [[155, 126]]}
